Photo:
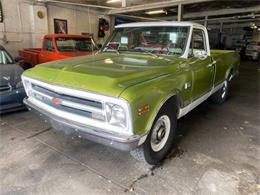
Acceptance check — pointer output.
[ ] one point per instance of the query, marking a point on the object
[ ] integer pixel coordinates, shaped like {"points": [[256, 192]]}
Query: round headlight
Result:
{"points": [[116, 115]]}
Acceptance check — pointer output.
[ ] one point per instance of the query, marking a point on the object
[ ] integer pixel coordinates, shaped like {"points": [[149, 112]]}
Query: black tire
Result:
{"points": [[221, 95], [147, 152], [138, 154]]}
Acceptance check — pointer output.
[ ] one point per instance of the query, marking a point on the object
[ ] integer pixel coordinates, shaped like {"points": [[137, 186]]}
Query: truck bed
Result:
{"points": [[224, 58], [218, 51], [30, 55]]}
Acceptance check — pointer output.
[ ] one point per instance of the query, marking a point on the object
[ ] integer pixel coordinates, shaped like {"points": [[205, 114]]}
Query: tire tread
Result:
{"points": [[138, 154]]}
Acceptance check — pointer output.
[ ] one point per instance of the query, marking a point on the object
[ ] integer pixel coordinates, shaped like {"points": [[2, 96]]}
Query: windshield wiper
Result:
{"points": [[146, 52], [151, 53], [113, 49]]}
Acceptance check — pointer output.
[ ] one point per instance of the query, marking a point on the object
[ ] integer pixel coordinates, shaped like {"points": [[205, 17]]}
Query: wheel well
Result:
{"points": [[229, 74], [174, 100], [231, 71]]}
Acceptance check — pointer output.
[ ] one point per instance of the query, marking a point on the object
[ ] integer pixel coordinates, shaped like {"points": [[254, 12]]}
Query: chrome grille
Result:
{"points": [[4, 88], [76, 105]]}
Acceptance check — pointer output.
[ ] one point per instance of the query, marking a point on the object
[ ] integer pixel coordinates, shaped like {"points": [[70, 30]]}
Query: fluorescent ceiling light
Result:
{"points": [[113, 1], [160, 11]]}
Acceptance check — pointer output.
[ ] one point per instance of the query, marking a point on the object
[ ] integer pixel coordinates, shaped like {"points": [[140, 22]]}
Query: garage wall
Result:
{"points": [[79, 19], [22, 28]]}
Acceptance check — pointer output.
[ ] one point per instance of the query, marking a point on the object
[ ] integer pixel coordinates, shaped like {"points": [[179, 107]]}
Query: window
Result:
{"points": [[48, 45], [197, 42], [75, 44]]}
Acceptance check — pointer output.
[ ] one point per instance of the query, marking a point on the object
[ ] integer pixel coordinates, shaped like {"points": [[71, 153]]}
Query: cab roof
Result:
{"points": [[67, 36], [161, 23]]}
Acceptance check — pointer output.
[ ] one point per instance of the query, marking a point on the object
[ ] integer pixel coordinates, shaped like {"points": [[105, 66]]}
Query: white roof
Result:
{"points": [[162, 23]]}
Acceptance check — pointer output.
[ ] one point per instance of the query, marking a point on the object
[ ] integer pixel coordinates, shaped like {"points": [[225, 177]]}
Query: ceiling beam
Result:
{"points": [[221, 12], [225, 26], [180, 12], [138, 17], [229, 20], [77, 4], [203, 14], [149, 6], [123, 3]]}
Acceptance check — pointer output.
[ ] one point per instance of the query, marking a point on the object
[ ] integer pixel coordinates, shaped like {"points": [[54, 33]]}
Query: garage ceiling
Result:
{"points": [[211, 11], [116, 3]]}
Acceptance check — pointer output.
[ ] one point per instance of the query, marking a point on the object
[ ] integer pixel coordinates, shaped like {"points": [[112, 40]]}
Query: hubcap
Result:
{"points": [[160, 133]]}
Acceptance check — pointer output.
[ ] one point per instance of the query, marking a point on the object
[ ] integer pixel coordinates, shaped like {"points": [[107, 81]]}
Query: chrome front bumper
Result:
{"points": [[74, 129]]}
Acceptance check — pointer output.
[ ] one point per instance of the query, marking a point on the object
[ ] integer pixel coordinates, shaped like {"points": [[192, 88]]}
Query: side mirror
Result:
{"points": [[99, 46], [18, 59], [200, 54]]}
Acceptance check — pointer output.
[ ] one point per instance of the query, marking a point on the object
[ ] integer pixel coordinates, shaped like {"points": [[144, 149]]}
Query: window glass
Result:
{"points": [[165, 40], [48, 45], [198, 40], [75, 44], [5, 58], [2, 60]]}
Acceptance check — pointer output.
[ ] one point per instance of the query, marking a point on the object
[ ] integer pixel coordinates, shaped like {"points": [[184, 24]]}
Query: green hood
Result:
{"points": [[105, 73]]}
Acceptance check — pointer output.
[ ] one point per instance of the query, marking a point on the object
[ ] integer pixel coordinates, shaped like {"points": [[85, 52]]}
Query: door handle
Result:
{"points": [[187, 85]]}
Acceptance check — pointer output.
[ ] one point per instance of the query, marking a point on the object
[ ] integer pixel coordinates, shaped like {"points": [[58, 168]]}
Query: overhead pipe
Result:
{"points": [[78, 4], [138, 17], [155, 5], [230, 19]]}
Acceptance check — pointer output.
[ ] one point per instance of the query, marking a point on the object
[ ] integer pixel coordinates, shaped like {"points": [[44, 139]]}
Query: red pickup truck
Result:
{"points": [[56, 47]]}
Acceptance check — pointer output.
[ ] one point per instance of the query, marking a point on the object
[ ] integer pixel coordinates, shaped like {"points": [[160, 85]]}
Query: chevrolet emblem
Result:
{"points": [[56, 101]]}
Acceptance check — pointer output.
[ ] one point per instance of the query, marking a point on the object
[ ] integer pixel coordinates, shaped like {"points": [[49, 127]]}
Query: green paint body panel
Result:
{"points": [[140, 78]]}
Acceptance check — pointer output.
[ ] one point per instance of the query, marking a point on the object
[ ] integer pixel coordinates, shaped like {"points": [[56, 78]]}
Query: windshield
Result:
{"points": [[169, 40], [5, 58], [75, 44]]}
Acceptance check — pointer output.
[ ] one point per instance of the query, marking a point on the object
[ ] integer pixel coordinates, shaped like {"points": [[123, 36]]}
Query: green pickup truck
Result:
{"points": [[131, 93]]}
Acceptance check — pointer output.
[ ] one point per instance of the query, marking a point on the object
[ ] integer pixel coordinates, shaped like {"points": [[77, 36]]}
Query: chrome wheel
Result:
{"points": [[160, 133], [224, 90]]}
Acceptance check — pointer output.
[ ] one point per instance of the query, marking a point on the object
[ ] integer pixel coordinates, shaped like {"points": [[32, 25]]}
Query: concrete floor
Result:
{"points": [[218, 153]]}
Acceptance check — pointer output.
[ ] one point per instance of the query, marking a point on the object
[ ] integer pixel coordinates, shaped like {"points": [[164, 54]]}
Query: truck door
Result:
{"points": [[47, 51], [202, 66]]}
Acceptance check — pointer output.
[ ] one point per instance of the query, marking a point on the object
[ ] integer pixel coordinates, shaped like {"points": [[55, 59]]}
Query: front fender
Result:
{"points": [[154, 93]]}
